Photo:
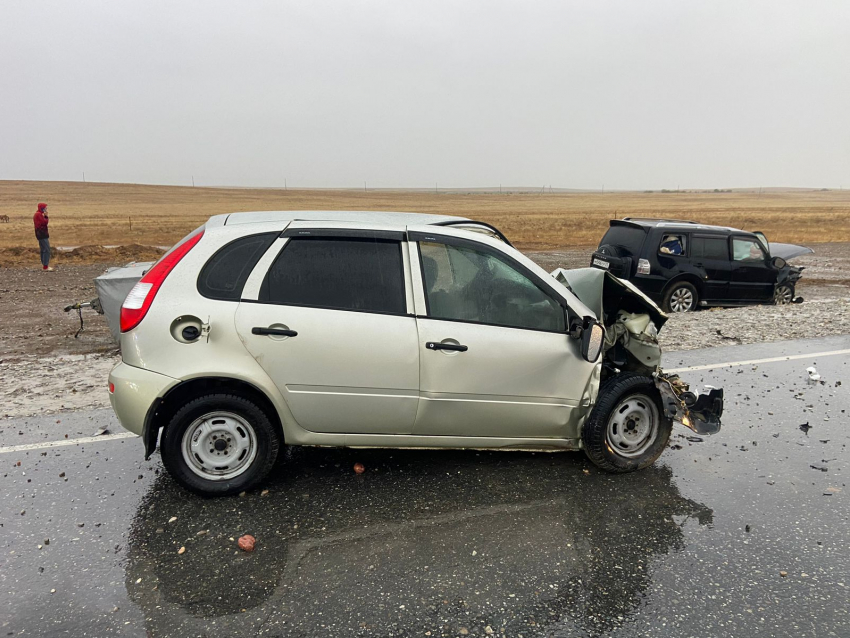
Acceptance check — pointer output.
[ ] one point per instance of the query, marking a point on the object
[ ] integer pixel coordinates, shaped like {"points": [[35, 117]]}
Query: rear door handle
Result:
{"points": [[278, 332], [436, 345]]}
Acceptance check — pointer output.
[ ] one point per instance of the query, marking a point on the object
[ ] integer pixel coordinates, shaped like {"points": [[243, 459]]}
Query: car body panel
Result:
{"points": [[344, 371], [510, 382], [134, 391]]}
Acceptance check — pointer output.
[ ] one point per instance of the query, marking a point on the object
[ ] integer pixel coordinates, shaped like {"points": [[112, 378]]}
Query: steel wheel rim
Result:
{"points": [[782, 295], [633, 426], [682, 300], [219, 446]]}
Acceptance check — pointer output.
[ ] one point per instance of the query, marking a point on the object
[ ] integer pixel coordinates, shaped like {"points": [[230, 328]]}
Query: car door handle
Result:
{"points": [[436, 345], [278, 332]]}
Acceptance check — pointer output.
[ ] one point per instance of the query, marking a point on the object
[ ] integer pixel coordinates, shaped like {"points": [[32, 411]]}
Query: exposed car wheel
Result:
{"points": [[627, 429], [681, 297], [784, 294], [219, 444]]}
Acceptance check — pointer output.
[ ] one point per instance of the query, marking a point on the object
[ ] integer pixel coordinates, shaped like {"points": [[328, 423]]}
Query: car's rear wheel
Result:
{"points": [[681, 297], [627, 429], [784, 294], [219, 444]]}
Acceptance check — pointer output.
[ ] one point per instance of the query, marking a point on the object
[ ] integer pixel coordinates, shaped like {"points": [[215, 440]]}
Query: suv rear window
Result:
{"points": [[338, 273], [224, 275], [628, 238]]}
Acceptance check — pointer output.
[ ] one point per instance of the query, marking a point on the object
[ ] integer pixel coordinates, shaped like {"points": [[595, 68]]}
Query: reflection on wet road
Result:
{"points": [[455, 542], [422, 541]]}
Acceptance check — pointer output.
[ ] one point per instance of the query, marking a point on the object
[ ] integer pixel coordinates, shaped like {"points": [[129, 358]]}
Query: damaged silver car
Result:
{"points": [[362, 329]]}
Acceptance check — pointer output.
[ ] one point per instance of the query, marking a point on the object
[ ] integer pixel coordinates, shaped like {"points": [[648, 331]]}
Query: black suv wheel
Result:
{"points": [[681, 297]]}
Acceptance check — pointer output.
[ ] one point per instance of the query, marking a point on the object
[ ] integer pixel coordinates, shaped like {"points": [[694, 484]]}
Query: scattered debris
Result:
{"points": [[805, 427], [819, 468], [814, 377], [359, 468], [172, 519], [247, 542], [783, 574], [695, 439], [182, 550]]}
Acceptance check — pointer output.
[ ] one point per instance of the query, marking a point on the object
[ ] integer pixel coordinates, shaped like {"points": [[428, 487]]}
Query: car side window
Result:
{"points": [[673, 245], [341, 273], [747, 250], [467, 284], [224, 275], [710, 248]]}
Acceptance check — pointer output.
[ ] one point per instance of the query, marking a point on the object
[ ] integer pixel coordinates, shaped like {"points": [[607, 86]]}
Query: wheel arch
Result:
{"points": [[164, 408]]}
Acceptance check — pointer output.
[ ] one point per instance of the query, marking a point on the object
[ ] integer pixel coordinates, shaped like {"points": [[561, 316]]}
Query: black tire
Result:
{"points": [[264, 437], [678, 293], [623, 389]]}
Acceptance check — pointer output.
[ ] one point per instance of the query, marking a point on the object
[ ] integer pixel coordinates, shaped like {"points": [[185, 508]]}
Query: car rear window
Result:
{"points": [[628, 238], [338, 273], [710, 248], [224, 275]]}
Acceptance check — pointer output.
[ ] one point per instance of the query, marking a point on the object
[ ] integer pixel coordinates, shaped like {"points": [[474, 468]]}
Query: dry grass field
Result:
{"points": [[118, 214]]}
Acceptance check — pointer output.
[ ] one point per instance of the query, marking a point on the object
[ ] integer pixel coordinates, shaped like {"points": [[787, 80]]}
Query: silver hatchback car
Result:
{"points": [[370, 329]]}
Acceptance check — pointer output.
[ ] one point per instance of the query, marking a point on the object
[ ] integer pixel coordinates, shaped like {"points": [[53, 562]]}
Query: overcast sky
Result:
{"points": [[630, 94]]}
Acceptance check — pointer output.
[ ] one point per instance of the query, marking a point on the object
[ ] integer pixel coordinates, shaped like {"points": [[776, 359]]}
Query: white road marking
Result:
{"points": [[734, 364], [79, 441], [711, 366]]}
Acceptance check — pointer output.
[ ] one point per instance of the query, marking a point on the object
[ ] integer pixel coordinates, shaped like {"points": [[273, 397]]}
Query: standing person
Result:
{"points": [[40, 220]]}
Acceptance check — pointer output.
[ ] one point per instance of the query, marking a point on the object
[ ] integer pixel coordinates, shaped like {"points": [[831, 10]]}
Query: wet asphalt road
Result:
{"points": [[429, 543]]}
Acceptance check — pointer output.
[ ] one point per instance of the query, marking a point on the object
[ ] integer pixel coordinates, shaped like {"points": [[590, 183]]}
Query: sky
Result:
{"points": [[627, 94]]}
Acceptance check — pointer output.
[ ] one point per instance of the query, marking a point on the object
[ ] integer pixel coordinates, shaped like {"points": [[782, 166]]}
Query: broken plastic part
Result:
{"points": [[704, 412]]}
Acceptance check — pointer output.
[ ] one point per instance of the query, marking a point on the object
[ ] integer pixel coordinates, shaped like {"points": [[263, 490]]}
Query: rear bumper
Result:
{"points": [[135, 390]]}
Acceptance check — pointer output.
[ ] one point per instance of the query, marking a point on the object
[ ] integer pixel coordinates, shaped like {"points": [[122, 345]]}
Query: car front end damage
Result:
{"points": [[631, 321]]}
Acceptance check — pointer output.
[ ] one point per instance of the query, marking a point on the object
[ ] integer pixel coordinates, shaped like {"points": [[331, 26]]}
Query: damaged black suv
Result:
{"points": [[682, 265]]}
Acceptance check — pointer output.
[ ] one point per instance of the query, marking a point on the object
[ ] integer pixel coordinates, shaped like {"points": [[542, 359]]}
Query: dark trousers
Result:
{"points": [[44, 244]]}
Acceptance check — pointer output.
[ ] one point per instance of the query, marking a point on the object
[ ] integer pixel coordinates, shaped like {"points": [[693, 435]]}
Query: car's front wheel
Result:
{"points": [[627, 429], [784, 294], [219, 444], [681, 297]]}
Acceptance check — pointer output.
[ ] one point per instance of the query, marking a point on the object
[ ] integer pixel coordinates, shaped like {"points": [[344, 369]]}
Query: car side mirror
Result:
{"points": [[592, 336], [778, 263]]}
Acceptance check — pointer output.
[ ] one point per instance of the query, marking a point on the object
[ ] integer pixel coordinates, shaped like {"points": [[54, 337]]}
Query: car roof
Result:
{"points": [[400, 220], [674, 224]]}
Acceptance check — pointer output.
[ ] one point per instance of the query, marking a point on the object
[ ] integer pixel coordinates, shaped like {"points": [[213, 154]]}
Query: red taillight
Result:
{"points": [[140, 298], [111, 388]]}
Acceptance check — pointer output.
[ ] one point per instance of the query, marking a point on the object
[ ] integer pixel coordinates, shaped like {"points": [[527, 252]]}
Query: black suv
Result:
{"points": [[682, 265]]}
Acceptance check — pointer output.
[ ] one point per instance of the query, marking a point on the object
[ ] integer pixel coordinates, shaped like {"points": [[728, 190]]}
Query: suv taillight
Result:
{"points": [[643, 267], [140, 298]]}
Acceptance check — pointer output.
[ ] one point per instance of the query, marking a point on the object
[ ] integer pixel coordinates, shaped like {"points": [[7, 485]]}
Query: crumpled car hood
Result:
{"points": [[632, 321], [788, 251], [588, 284]]}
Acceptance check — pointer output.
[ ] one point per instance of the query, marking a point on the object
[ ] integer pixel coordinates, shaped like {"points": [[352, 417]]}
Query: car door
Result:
{"points": [[495, 359], [710, 256], [332, 325], [752, 278]]}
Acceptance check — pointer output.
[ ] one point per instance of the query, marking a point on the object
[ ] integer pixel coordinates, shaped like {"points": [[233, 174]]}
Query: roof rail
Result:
{"points": [[658, 219]]}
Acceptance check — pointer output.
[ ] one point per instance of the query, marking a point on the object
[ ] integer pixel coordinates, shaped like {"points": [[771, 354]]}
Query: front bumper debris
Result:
{"points": [[701, 413]]}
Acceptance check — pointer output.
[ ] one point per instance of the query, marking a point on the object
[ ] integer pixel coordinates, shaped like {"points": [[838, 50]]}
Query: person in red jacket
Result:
{"points": [[40, 220]]}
